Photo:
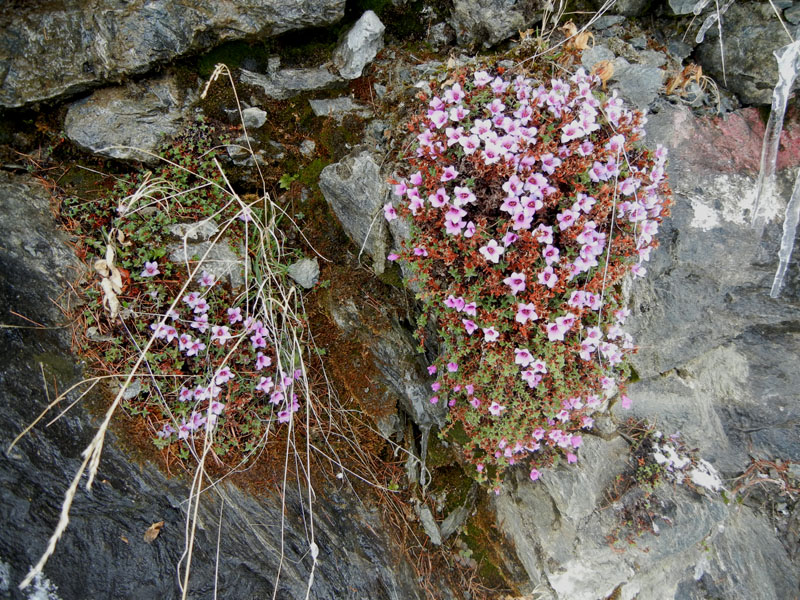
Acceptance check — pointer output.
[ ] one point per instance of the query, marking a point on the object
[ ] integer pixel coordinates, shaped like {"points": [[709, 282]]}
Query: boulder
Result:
{"points": [[488, 22], [750, 34], [129, 122], [52, 50], [286, 83], [339, 108], [357, 191], [305, 272], [360, 45]]}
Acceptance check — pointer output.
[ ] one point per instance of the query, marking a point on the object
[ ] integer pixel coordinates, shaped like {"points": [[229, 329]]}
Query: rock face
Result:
{"points": [[750, 34], [357, 191], [489, 22], [637, 83], [117, 121], [290, 82], [101, 41], [717, 362], [361, 44], [107, 525]]}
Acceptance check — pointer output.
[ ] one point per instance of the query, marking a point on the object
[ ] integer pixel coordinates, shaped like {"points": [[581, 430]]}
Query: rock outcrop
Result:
{"points": [[47, 52]]}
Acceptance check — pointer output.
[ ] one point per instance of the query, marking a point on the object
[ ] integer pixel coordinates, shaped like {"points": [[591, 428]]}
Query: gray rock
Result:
{"points": [[200, 231], [750, 34], [360, 45], [576, 492], [713, 334], [68, 47], [357, 192], [651, 58], [395, 355], [339, 108], [253, 117], [631, 8], [430, 526], [684, 7], [305, 272], [489, 22], [679, 49], [454, 521], [307, 148], [441, 35], [118, 122], [286, 83], [792, 14], [607, 21], [638, 84], [595, 54], [221, 262]]}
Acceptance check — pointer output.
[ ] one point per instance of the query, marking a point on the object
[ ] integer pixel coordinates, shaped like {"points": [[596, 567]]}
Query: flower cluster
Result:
{"points": [[528, 202], [204, 335]]}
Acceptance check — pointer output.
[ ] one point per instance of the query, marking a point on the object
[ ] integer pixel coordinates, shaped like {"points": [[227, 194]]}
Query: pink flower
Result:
{"points": [[265, 384], [150, 269], [200, 323], [449, 174], [554, 332], [195, 348], [551, 254], [490, 334], [216, 407], [201, 306], [523, 357], [431, 369], [571, 458], [516, 281], [548, 277], [220, 334], [469, 325], [262, 362], [234, 315], [492, 251], [258, 341], [389, 212], [206, 279], [496, 409], [535, 474], [191, 299], [452, 367], [224, 375], [626, 401], [434, 399], [526, 312]]}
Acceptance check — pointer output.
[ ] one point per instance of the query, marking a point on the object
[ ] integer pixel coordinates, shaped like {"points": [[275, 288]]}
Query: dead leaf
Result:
{"points": [[101, 267], [116, 280], [124, 539], [152, 532], [575, 39], [690, 72], [110, 300], [604, 70]]}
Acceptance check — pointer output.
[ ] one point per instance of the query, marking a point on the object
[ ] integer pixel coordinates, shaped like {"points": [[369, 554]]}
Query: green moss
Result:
{"points": [[310, 174], [392, 276], [57, 365]]}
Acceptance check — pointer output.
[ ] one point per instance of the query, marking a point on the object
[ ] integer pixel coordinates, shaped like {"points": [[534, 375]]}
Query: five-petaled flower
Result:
{"points": [[150, 269]]}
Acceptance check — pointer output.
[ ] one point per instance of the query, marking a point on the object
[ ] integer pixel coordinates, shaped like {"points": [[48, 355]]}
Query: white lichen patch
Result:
{"points": [[705, 476], [727, 198]]}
